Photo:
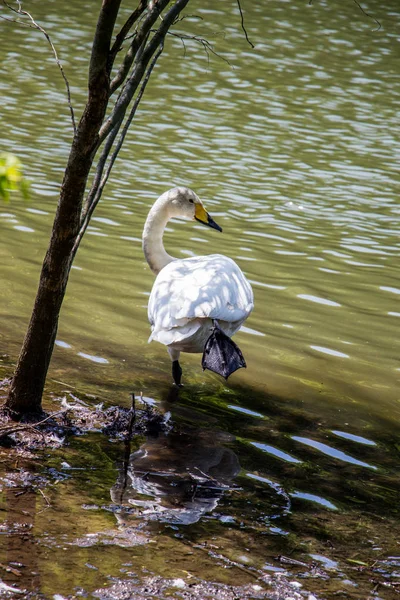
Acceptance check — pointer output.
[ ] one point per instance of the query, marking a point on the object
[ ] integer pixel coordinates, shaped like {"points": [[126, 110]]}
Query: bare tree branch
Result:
{"points": [[109, 132], [183, 17], [121, 35], [363, 11], [139, 38], [162, 31], [12, 428], [205, 43], [142, 58], [100, 181], [368, 15], [102, 41], [35, 25], [242, 23]]}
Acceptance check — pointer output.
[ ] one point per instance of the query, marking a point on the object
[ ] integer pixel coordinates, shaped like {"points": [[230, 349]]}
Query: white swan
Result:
{"points": [[198, 303]]}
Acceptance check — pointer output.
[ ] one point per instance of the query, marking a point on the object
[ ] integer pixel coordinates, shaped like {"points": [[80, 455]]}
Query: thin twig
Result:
{"points": [[15, 21], [45, 497], [221, 557], [7, 429], [9, 569], [183, 17], [368, 15], [205, 43], [36, 25], [132, 418], [242, 24], [184, 47], [127, 450], [363, 11]]}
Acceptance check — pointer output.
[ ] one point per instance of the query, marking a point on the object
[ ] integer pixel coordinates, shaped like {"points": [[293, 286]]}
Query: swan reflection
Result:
{"points": [[177, 477]]}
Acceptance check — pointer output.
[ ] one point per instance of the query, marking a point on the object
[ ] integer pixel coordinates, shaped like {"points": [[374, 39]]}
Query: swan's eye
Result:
{"points": [[191, 201]]}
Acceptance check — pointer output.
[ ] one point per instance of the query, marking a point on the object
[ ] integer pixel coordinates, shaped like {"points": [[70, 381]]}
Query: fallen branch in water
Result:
{"points": [[17, 427]]}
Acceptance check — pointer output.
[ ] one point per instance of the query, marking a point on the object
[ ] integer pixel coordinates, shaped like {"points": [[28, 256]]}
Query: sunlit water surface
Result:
{"points": [[294, 149]]}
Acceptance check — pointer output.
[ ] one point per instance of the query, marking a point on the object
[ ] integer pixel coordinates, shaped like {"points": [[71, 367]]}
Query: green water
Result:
{"points": [[294, 148]]}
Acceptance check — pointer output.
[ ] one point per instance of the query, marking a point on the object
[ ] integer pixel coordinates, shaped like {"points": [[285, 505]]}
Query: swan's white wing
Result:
{"points": [[201, 287]]}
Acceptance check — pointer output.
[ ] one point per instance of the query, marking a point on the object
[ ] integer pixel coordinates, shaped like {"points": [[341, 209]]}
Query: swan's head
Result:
{"points": [[183, 202]]}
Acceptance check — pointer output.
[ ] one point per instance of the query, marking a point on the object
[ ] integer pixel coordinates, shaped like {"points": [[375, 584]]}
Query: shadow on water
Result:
{"points": [[235, 486]]}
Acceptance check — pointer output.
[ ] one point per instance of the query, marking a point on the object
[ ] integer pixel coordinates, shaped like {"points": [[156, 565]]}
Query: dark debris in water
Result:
{"points": [[125, 538], [119, 422], [22, 478], [50, 431], [160, 588]]}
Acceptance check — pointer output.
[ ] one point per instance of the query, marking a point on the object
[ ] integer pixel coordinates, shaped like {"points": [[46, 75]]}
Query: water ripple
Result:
{"points": [[353, 438], [62, 344], [332, 452], [330, 351], [250, 331], [95, 359], [318, 300], [313, 498], [24, 228], [393, 290], [276, 452], [246, 411]]}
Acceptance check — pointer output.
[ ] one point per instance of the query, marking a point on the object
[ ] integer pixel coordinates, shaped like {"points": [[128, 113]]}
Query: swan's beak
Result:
{"points": [[202, 216]]}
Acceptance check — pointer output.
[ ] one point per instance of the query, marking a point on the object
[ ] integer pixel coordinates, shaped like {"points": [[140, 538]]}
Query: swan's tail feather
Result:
{"points": [[221, 354]]}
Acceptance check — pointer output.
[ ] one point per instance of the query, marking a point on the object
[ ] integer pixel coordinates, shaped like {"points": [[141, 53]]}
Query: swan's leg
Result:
{"points": [[176, 372], [221, 354], [176, 367]]}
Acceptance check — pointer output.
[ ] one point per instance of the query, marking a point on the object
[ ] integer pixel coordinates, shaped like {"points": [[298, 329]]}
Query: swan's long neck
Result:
{"points": [[153, 246]]}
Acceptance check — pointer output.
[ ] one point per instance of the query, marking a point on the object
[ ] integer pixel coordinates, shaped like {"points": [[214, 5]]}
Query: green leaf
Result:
{"points": [[11, 177]]}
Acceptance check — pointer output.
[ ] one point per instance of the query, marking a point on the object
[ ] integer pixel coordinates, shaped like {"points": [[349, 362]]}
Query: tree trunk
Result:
{"points": [[28, 382], [25, 395]]}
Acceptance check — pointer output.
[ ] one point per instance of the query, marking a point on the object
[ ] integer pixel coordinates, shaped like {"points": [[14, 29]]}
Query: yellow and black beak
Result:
{"points": [[202, 216]]}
